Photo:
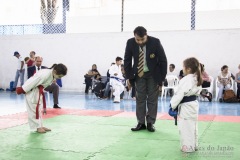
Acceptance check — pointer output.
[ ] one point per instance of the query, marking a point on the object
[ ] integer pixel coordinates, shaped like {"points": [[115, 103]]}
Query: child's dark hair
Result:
{"points": [[195, 67], [140, 31], [59, 68], [118, 59], [224, 67]]}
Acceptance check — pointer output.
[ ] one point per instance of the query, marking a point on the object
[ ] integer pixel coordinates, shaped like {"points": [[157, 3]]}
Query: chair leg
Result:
{"points": [[48, 96], [111, 92], [165, 93], [162, 93]]}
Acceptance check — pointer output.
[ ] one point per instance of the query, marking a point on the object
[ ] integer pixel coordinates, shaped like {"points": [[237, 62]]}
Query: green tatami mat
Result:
{"points": [[110, 138]]}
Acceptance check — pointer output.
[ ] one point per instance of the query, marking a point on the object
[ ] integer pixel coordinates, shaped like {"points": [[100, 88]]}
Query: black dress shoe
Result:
{"points": [[139, 127], [56, 106], [150, 127]]}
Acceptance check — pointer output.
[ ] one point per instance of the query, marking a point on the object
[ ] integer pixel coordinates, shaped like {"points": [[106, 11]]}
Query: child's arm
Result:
{"points": [[32, 82], [183, 87]]}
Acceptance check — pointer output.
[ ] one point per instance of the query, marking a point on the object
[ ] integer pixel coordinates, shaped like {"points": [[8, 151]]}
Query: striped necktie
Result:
{"points": [[140, 62]]}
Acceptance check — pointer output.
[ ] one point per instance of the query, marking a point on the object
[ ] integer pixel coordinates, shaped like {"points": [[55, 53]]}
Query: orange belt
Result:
{"points": [[44, 102]]}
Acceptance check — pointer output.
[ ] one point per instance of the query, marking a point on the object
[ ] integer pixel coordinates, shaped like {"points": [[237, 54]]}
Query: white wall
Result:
{"points": [[214, 48], [221, 19]]}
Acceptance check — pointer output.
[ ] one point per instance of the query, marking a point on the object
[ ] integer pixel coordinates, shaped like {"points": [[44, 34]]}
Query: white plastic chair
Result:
{"points": [[210, 89], [217, 88], [172, 84], [235, 87]]}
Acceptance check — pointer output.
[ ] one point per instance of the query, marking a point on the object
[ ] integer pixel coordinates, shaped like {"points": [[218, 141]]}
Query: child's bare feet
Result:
{"points": [[46, 129], [41, 130]]}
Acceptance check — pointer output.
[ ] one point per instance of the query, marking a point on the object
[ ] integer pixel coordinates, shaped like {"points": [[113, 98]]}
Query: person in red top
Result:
{"points": [[29, 62]]}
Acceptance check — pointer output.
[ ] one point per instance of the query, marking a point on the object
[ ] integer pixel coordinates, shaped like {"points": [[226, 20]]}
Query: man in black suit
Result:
{"points": [[147, 73], [53, 88]]}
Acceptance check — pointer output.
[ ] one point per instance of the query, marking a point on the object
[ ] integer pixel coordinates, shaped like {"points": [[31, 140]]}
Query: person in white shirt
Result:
{"points": [[116, 79], [20, 70]]}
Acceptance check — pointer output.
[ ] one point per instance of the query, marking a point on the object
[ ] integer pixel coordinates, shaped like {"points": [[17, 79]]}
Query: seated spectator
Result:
{"points": [[91, 75], [171, 71], [206, 83], [116, 79], [53, 88], [238, 82], [224, 82]]}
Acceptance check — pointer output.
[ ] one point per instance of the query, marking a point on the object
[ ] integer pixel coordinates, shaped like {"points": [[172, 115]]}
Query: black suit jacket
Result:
{"points": [[32, 70], [155, 57]]}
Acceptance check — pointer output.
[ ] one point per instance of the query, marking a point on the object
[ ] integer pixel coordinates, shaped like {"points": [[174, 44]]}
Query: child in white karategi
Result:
{"points": [[189, 86], [116, 79], [35, 100]]}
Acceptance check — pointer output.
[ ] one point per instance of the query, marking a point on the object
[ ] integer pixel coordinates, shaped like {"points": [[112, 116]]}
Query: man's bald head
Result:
{"points": [[38, 61]]}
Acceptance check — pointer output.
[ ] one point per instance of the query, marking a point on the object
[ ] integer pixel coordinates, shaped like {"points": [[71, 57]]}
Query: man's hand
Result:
{"points": [[20, 90], [160, 88], [129, 84]]}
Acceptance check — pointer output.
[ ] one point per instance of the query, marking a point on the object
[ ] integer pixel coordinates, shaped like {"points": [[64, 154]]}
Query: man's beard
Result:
{"points": [[143, 44]]}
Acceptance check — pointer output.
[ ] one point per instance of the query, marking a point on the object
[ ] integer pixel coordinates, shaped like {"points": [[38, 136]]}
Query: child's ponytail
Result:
{"points": [[199, 76], [53, 66]]}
